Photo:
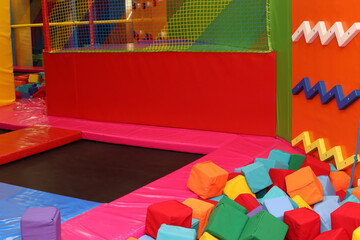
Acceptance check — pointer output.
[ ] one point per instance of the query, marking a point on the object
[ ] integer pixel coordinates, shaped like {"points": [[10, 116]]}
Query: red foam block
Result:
{"points": [[32, 140], [347, 216], [247, 201], [303, 224], [335, 234], [170, 212], [233, 175], [341, 194], [278, 177], [319, 167]]}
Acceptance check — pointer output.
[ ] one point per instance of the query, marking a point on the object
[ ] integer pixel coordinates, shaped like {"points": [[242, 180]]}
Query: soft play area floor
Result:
{"points": [[69, 174]]}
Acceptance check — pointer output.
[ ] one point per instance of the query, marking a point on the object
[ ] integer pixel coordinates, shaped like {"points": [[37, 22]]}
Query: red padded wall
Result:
{"points": [[227, 92]]}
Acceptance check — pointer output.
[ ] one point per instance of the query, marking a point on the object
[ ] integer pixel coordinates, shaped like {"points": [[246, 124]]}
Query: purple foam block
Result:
{"points": [[41, 224], [255, 211]]}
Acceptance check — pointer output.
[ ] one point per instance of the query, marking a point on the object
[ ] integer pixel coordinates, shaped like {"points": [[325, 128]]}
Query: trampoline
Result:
{"points": [[94, 171]]}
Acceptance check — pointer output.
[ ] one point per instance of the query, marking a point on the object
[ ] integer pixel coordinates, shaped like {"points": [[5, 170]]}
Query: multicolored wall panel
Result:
{"points": [[330, 63]]}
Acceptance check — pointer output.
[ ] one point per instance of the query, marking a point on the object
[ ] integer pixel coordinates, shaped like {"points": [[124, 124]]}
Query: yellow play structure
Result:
{"points": [[7, 92]]}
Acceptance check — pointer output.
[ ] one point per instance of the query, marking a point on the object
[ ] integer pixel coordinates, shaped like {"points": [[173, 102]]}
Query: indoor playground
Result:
{"points": [[179, 120]]}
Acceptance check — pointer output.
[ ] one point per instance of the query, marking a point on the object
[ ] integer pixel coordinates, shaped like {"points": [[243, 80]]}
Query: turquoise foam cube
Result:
{"points": [[324, 209], [169, 232], [278, 206], [328, 188], [218, 198], [350, 198], [333, 168], [276, 192], [280, 156], [268, 163], [349, 192], [257, 177], [146, 237], [195, 225]]}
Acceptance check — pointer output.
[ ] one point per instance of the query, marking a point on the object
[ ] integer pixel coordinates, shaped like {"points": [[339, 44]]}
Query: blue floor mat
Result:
{"points": [[15, 200]]}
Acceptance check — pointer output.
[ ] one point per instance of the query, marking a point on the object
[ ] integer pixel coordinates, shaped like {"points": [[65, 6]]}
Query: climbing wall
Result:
{"points": [[326, 70]]}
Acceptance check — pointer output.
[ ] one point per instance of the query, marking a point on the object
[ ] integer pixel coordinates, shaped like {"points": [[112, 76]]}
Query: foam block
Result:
{"points": [[305, 184], [231, 203], [340, 180], [226, 222], [195, 225], [237, 186], [169, 212], [217, 198], [278, 177], [280, 156], [256, 176], [350, 198], [201, 211], [356, 192], [268, 163], [333, 168], [335, 198], [349, 192], [132, 238], [341, 194], [248, 201], [238, 170], [356, 234], [41, 224], [264, 226], [233, 175], [319, 167], [146, 237], [296, 161], [303, 224], [328, 188], [324, 209], [208, 236], [335, 234], [207, 179], [255, 211], [168, 232], [275, 192], [301, 202], [278, 206]]}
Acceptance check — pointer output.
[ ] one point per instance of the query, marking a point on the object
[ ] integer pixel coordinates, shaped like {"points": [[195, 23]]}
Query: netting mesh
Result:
{"points": [[159, 25]]}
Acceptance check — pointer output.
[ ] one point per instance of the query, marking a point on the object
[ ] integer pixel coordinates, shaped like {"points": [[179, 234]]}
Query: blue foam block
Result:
{"points": [[280, 156], [268, 163], [238, 170], [333, 197], [15, 200], [328, 188], [169, 232], [278, 206], [195, 225], [276, 192], [217, 199], [349, 192], [350, 198], [324, 209], [257, 177], [146, 237], [333, 168]]}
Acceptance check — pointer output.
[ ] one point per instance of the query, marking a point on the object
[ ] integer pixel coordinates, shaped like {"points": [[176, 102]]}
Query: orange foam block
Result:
{"points": [[132, 238], [207, 179], [32, 140], [305, 184], [201, 212], [340, 180]]}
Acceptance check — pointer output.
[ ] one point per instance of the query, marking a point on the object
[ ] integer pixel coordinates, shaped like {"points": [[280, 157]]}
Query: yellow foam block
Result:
{"points": [[208, 236], [237, 186], [33, 78], [356, 234], [301, 202]]}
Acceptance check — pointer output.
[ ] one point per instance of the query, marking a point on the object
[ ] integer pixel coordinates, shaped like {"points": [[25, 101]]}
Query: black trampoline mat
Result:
{"points": [[94, 171], [2, 131]]}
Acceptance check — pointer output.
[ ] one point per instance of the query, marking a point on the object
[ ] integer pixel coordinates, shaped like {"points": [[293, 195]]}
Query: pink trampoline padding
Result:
{"points": [[127, 216], [32, 112]]}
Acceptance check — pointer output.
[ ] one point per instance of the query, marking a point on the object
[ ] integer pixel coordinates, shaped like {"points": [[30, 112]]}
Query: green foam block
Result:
{"points": [[296, 161], [226, 222], [264, 226], [231, 203]]}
